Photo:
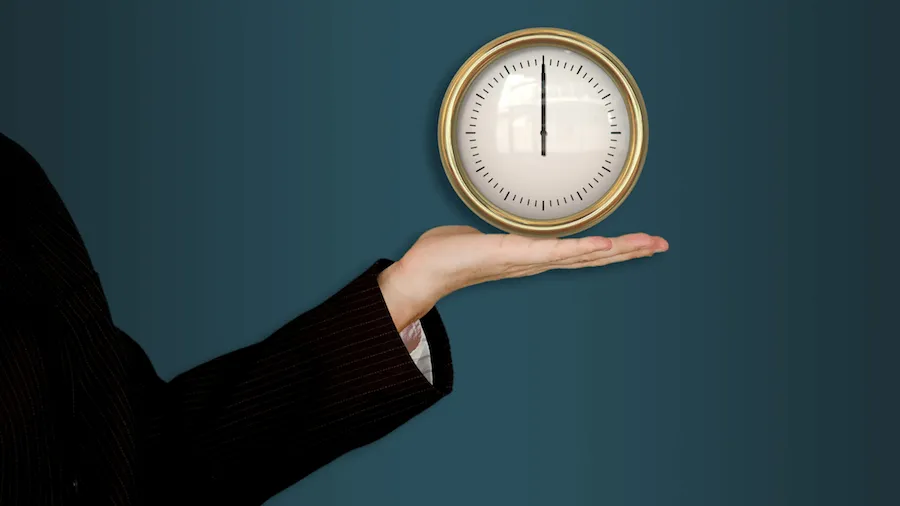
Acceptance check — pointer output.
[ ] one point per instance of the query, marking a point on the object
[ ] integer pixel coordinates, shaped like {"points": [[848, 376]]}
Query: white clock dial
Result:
{"points": [[543, 132]]}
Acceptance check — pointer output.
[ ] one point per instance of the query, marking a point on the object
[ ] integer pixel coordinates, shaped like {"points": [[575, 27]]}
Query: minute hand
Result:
{"points": [[543, 109]]}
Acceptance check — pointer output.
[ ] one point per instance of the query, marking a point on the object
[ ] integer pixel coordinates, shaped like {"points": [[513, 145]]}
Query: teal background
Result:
{"points": [[231, 164]]}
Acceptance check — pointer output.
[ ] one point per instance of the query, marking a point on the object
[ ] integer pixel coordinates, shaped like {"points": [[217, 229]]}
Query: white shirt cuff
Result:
{"points": [[421, 355]]}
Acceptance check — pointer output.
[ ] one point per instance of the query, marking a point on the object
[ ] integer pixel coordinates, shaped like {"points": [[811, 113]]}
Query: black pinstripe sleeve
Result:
{"points": [[85, 419], [250, 423]]}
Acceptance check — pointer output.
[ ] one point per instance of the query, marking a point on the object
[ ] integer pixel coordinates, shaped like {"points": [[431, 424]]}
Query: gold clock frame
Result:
{"points": [[472, 68]]}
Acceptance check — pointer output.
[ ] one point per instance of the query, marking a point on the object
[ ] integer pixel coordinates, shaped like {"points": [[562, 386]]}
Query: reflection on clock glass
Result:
{"points": [[543, 132]]}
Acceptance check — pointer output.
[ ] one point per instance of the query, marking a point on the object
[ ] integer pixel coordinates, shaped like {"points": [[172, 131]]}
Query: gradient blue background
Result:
{"points": [[232, 163]]}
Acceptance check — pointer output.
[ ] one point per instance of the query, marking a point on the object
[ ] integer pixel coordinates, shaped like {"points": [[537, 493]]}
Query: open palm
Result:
{"points": [[446, 259]]}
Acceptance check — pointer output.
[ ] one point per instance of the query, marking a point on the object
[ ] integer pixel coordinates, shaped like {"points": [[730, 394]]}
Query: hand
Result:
{"points": [[446, 259]]}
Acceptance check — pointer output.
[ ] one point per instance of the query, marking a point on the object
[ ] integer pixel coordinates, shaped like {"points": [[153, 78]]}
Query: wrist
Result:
{"points": [[404, 301]]}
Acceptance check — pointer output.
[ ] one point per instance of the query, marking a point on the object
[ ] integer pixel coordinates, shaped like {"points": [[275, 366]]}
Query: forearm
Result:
{"points": [[333, 379], [403, 308]]}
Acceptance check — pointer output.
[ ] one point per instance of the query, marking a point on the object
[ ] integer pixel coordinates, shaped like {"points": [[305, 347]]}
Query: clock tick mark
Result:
{"points": [[601, 90], [579, 70], [491, 179], [557, 201], [592, 186], [478, 104], [472, 133], [529, 202], [507, 196], [486, 92], [610, 154], [477, 161], [495, 184], [496, 81], [604, 97], [616, 133], [479, 169], [476, 110], [607, 104], [571, 197], [542, 205], [592, 80], [507, 70], [564, 65], [521, 199], [565, 201], [479, 96], [491, 85], [601, 175], [595, 85], [579, 196], [607, 170], [585, 189], [520, 65]]}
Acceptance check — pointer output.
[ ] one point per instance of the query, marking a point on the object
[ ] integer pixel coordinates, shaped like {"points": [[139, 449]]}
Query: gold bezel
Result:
{"points": [[568, 225]]}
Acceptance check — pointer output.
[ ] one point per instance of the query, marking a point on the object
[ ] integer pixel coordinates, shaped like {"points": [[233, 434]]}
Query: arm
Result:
{"points": [[252, 422], [242, 427], [247, 425]]}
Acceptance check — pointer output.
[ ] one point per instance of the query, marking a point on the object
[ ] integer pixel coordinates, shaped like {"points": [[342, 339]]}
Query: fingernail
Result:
{"points": [[604, 243], [662, 245]]}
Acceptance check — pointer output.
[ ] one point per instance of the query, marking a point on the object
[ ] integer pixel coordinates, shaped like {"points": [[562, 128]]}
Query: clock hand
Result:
{"points": [[543, 109]]}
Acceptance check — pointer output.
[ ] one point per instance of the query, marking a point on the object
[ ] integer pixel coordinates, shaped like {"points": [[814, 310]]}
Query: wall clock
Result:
{"points": [[543, 132]]}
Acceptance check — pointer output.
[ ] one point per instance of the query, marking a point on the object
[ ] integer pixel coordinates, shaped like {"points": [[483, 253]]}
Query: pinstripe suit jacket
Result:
{"points": [[84, 418]]}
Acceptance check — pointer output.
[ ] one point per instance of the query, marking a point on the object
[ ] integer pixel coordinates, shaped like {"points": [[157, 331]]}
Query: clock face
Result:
{"points": [[542, 132]]}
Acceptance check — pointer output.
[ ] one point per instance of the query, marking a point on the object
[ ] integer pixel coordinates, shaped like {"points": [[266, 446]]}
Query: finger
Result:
{"points": [[620, 245], [523, 251], [527, 253], [600, 262], [622, 257]]}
